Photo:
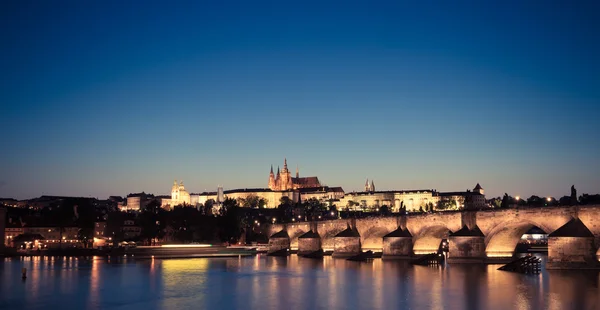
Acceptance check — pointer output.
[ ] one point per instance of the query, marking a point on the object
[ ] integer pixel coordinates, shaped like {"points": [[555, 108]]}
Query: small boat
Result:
{"points": [[282, 252], [315, 254], [362, 257]]}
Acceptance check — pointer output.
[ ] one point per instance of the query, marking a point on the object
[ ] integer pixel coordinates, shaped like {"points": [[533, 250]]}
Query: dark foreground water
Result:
{"points": [[284, 283]]}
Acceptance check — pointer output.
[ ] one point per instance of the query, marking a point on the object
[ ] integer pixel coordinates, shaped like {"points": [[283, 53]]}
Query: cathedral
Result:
{"points": [[369, 188], [179, 195], [284, 181]]}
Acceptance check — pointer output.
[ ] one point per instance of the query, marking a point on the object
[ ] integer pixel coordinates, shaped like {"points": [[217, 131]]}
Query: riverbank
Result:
{"points": [[172, 251]]}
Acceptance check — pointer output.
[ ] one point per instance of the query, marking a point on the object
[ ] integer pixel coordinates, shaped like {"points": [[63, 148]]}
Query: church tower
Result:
{"points": [[286, 177], [367, 186], [297, 173], [272, 179], [372, 186], [175, 192]]}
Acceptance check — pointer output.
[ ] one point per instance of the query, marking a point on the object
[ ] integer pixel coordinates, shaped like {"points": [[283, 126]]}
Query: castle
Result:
{"points": [[284, 180]]}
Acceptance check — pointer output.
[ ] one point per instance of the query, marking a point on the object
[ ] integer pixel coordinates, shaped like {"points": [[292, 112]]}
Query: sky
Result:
{"points": [[102, 98]]}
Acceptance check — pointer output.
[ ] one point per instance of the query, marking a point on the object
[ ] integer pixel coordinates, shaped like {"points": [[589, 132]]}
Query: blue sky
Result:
{"points": [[107, 98]]}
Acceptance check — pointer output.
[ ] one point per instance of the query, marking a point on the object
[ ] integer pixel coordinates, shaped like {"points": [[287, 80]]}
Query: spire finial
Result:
{"points": [[271, 169], [284, 163]]}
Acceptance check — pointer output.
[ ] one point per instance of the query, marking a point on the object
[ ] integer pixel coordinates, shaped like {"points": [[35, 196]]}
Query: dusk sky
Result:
{"points": [[113, 98]]}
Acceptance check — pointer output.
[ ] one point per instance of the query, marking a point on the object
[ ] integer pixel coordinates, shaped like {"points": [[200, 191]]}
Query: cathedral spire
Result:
{"points": [[271, 169], [284, 163], [297, 172]]}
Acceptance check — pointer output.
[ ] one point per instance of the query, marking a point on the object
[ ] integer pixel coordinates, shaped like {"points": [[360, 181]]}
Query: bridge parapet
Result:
{"points": [[502, 228]]}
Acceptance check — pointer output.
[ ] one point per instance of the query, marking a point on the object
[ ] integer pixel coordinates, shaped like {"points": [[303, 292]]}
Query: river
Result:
{"points": [[262, 282]]}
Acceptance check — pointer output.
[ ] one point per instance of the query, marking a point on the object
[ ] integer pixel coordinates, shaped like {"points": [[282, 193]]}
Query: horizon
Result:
{"points": [[112, 98], [359, 189]]}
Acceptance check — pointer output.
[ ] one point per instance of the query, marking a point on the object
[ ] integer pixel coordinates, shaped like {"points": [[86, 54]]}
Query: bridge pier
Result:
{"points": [[347, 243], [397, 245], [572, 247], [279, 241], [467, 245], [502, 228], [308, 243]]}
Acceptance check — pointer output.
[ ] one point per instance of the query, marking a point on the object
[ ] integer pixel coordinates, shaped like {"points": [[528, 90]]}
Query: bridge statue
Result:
{"points": [[573, 195]]}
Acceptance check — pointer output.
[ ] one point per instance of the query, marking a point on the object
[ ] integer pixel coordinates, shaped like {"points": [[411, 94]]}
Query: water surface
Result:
{"points": [[284, 283]]}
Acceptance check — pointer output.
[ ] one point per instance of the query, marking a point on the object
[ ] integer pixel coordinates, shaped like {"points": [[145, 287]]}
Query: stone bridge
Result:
{"points": [[501, 229]]}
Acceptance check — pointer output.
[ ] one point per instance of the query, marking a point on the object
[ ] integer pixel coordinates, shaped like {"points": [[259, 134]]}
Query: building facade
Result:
{"points": [[412, 200], [2, 227], [284, 181]]}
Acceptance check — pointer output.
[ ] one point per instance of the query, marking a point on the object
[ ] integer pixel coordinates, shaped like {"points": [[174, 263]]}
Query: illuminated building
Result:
{"points": [[284, 181]]}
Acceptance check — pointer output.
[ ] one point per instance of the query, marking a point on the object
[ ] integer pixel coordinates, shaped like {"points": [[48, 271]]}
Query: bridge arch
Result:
{"points": [[294, 232], [372, 238], [502, 240], [429, 238]]}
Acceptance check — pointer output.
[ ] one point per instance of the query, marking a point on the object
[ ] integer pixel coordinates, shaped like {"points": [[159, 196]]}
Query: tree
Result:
{"points": [[285, 208], [227, 205], [565, 201], [430, 205], [114, 222], [384, 210], [85, 235], [62, 216], [208, 206], [497, 202], [535, 201], [253, 202], [152, 221], [152, 206], [586, 199], [231, 224], [313, 207], [184, 221]]}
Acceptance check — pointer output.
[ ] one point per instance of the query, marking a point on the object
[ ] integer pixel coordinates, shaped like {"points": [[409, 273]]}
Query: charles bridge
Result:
{"points": [[479, 236]]}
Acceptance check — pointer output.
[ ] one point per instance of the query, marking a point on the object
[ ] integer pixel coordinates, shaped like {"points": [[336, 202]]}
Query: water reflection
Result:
{"points": [[292, 283]]}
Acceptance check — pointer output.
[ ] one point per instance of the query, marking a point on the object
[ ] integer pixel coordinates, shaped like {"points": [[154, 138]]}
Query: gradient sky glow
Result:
{"points": [[112, 98]]}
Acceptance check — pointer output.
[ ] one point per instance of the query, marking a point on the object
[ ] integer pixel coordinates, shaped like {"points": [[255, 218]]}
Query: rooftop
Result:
{"points": [[310, 234], [348, 232], [400, 232], [573, 228], [466, 232], [281, 234]]}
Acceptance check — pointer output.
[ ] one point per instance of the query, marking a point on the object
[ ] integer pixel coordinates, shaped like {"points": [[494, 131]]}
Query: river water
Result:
{"points": [[262, 282]]}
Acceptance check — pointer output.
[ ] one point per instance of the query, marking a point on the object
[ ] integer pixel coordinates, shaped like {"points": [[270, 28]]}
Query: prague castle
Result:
{"points": [[299, 189], [284, 181]]}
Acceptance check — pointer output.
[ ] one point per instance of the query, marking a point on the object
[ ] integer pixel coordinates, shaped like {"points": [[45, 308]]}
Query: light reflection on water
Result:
{"points": [[284, 283]]}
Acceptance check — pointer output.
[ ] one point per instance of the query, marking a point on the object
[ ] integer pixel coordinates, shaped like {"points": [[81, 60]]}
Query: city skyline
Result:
{"points": [[163, 190], [107, 99]]}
